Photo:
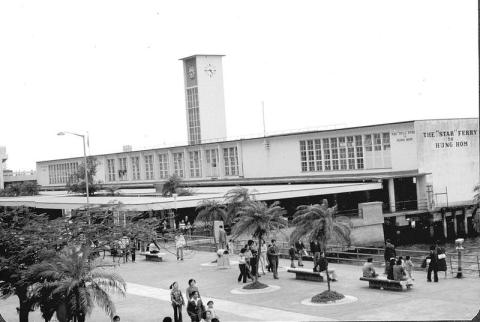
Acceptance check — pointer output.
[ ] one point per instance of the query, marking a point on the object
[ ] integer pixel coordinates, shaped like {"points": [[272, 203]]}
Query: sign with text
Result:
{"points": [[456, 138]]}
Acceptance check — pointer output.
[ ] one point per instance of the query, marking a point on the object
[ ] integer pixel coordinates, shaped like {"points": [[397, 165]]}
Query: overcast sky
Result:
{"points": [[110, 67]]}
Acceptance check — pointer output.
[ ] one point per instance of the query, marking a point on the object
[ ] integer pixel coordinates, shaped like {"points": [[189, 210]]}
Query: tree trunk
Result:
{"points": [[24, 309], [258, 256], [324, 252]]}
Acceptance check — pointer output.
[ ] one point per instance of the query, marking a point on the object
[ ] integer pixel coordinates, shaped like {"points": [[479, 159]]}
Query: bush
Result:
{"points": [[255, 286], [327, 296]]}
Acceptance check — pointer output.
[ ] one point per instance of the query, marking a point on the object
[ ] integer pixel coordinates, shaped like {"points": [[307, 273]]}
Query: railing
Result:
{"points": [[358, 255]]}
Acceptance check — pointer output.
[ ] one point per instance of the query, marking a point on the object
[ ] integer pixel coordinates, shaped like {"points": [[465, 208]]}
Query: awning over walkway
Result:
{"points": [[152, 202]]}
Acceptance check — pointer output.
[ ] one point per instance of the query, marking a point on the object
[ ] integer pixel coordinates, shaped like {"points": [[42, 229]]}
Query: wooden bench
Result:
{"points": [[156, 257], [385, 284], [306, 274]]}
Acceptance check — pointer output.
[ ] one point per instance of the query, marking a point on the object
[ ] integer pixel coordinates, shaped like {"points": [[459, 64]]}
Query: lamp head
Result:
{"points": [[61, 133]]}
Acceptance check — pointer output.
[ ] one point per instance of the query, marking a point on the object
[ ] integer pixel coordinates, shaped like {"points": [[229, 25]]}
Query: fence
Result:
{"points": [[357, 255]]}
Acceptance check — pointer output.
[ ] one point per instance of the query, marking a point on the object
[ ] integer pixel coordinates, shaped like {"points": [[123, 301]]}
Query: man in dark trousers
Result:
{"points": [[253, 259], [273, 253], [315, 249], [300, 247], [389, 253], [433, 265]]}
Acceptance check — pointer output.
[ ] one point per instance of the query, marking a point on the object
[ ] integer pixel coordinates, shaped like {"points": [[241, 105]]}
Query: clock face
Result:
{"points": [[191, 72], [210, 70]]}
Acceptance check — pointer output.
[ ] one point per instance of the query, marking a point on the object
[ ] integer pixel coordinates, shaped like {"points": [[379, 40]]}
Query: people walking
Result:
{"points": [[195, 307], [263, 256], [222, 238], [316, 250], [432, 265], [177, 301], [292, 252], [242, 265], [179, 245], [300, 247], [133, 249], [409, 267], [273, 253]]}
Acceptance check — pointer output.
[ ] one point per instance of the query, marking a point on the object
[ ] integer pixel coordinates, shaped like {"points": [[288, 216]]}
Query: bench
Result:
{"points": [[385, 284], [156, 257], [306, 274]]}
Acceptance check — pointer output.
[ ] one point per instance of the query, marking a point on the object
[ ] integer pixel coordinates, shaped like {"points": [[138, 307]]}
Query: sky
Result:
{"points": [[111, 68]]}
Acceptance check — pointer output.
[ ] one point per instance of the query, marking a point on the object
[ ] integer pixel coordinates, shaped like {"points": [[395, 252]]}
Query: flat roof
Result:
{"points": [[188, 57], [145, 203], [264, 137]]}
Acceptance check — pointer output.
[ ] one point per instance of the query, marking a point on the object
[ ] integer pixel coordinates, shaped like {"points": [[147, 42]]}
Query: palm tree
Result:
{"points": [[71, 284], [258, 219], [209, 211], [317, 222], [171, 185], [235, 199]]}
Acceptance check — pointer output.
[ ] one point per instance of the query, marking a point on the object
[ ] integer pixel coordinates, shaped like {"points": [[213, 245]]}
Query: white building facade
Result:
{"points": [[439, 158]]}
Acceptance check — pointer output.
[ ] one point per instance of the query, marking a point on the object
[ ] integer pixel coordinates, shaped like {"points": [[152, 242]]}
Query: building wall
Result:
{"points": [[449, 150], [211, 98], [280, 156]]}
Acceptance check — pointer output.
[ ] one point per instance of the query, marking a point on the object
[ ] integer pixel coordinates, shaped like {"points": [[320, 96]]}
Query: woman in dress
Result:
{"points": [[263, 256]]}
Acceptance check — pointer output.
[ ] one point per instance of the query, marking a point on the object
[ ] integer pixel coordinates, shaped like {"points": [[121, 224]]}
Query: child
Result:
{"points": [[409, 267], [211, 309], [292, 252]]}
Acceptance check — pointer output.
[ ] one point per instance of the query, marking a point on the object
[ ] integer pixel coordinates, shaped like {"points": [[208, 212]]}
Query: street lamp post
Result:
{"points": [[86, 166]]}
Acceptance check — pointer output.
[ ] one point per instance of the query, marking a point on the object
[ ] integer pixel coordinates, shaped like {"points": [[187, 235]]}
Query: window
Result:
{"points": [[368, 143], [359, 151], [303, 156], [111, 169], [212, 162], [163, 165], [326, 154], [61, 173], [377, 142], [343, 153], [311, 157], [334, 148], [149, 167], [231, 161], [195, 164], [386, 140], [178, 166], [135, 168], [318, 154], [350, 153], [122, 170], [193, 116]]}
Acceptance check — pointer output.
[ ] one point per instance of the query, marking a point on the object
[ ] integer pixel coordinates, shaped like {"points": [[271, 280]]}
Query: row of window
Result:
{"points": [[60, 173], [193, 116], [341, 153], [230, 158]]}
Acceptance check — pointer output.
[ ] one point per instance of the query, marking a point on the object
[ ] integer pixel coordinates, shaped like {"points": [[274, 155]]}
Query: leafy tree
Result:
{"points": [[171, 185], [27, 239], [209, 211], [236, 199], [318, 222], [20, 189], [72, 282], [76, 182], [258, 219]]}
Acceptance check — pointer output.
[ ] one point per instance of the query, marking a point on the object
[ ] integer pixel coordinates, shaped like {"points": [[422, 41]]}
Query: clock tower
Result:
{"points": [[204, 99]]}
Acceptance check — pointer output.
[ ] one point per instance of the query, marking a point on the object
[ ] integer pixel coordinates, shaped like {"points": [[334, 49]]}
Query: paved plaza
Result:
{"points": [[148, 296]]}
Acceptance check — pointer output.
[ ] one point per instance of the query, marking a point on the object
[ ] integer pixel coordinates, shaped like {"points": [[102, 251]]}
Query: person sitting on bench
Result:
{"points": [[153, 248], [323, 266], [368, 269]]}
